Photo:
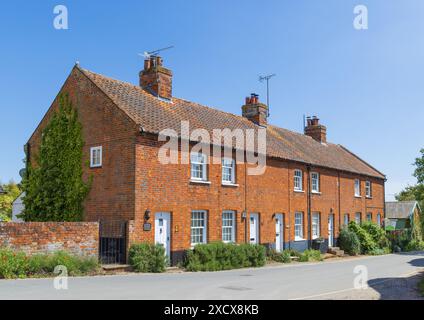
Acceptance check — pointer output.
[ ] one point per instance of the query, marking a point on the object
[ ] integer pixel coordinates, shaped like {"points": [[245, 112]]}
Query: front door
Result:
{"points": [[163, 231], [279, 232], [331, 230], [254, 228]]}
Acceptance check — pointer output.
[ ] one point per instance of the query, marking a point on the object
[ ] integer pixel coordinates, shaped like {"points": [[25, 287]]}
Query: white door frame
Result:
{"points": [[331, 230], [166, 226], [254, 239], [279, 232]]}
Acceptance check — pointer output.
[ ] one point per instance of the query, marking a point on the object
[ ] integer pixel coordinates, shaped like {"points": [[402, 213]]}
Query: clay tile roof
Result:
{"points": [[155, 115]]}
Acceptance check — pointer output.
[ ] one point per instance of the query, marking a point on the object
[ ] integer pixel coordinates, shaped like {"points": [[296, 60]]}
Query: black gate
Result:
{"points": [[113, 242]]}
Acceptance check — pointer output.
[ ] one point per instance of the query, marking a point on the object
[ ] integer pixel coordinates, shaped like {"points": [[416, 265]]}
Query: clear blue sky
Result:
{"points": [[366, 86]]}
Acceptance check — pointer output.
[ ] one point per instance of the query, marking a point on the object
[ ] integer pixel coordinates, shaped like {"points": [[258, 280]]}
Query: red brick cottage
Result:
{"points": [[310, 187]]}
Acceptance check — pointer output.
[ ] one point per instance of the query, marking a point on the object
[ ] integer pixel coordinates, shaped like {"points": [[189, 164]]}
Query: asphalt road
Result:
{"points": [[325, 280]]}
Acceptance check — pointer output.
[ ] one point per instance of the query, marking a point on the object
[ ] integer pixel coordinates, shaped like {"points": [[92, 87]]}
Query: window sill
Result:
{"points": [[96, 167], [299, 191], [228, 184], [358, 197], [299, 239], [316, 192], [200, 182], [368, 197]]}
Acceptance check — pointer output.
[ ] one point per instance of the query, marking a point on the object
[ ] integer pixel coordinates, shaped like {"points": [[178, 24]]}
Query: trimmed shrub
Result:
{"points": [[221, 256], [282, 257], [349, 242], [310, 255], [377, 233], [146, 257], [399, 239]]}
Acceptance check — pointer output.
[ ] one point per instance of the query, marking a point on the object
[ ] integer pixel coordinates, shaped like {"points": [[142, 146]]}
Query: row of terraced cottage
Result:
{"points": [[309, 190]]}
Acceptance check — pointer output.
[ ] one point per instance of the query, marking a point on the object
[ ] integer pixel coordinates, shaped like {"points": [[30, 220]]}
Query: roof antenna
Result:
{"points": [[154, 53], [267, 78]]}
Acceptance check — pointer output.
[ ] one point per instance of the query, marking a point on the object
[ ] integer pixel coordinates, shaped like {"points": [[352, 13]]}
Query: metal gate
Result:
{"points": [[113, 242]]}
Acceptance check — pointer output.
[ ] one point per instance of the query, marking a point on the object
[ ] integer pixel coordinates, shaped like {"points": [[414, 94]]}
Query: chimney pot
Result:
{"points": [[255, 111], [156, 79], [316, 130]]}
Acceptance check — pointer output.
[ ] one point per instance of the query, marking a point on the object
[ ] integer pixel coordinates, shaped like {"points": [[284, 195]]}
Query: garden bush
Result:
{"points": [[366, 240], [282, 257], [12, 264], [310, 255], [221, 256], [146, 257], [18, 265], [414, 245], [349, 242], [377, 233]]}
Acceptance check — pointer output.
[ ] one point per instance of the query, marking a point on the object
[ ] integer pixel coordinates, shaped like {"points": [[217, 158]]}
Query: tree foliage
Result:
{"points": [[54, 186], [12, 190]]}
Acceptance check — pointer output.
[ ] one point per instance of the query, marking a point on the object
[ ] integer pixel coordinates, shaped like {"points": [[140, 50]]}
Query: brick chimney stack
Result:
{"points": [[255, 111], [316, 130], [156, 79]]}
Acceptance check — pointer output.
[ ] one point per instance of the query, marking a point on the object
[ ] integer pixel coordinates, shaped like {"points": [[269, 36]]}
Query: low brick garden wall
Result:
{"points": [[77, 238]]}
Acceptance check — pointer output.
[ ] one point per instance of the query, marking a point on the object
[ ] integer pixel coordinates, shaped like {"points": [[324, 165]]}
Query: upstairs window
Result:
{"points": [[315, 182], [198, 166], [96, 157], [228, 171], [357, 188], [368, 189], [298, 180]]}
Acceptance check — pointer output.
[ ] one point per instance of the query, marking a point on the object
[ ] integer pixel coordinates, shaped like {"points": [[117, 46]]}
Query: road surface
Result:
{"points": [[325, 280]]}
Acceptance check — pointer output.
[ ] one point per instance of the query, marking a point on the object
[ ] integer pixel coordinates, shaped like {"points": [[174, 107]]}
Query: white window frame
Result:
{"points": [[357, 188], [360, 217], [231, 168], [346, 219], [231, 228], [202, 165], [298, 180], [203, 227], [94, 153], [368, 189], [298, 227], [316, 225], [379, 219], [315, 183], [369, 216]]}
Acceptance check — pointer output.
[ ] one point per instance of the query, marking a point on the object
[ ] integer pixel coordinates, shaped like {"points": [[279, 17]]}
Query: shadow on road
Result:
{"points": [[399, 288]]}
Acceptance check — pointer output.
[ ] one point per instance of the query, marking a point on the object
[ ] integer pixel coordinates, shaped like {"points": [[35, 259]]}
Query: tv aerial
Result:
{"points": [[149, 54], [267, 78]]}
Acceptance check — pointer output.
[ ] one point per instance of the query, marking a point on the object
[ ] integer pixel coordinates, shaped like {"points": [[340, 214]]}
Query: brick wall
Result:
{"points": [[78, 238]]}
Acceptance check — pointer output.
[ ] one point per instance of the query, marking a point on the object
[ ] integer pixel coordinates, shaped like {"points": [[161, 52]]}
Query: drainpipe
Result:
{"points": [[289, 197], [308, 169], [340, 208], [245, 199]]}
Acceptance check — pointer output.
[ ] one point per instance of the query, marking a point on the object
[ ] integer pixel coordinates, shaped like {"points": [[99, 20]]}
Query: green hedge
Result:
{"points": [[18, 265], [310, 255], [221, 256], [282, 257], [146, 257]]}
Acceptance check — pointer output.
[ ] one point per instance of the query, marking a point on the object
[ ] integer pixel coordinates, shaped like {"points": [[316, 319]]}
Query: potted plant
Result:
{"points": [[318, 244]]}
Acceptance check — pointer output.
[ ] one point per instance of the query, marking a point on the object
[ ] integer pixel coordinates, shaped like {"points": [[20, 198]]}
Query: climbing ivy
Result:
{"points": [[54, 185]]}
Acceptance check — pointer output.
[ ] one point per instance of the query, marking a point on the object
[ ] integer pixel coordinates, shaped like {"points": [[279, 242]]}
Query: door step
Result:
{"points": [[336, 251], [112, 268]]}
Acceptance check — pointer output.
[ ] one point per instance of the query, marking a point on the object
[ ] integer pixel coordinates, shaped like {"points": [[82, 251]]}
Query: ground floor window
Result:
{"points": [[316, 225], [379, 219], [228, 226], [369, 216], [198, 227], [358, 218], [346, 219], [298, 225]]}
